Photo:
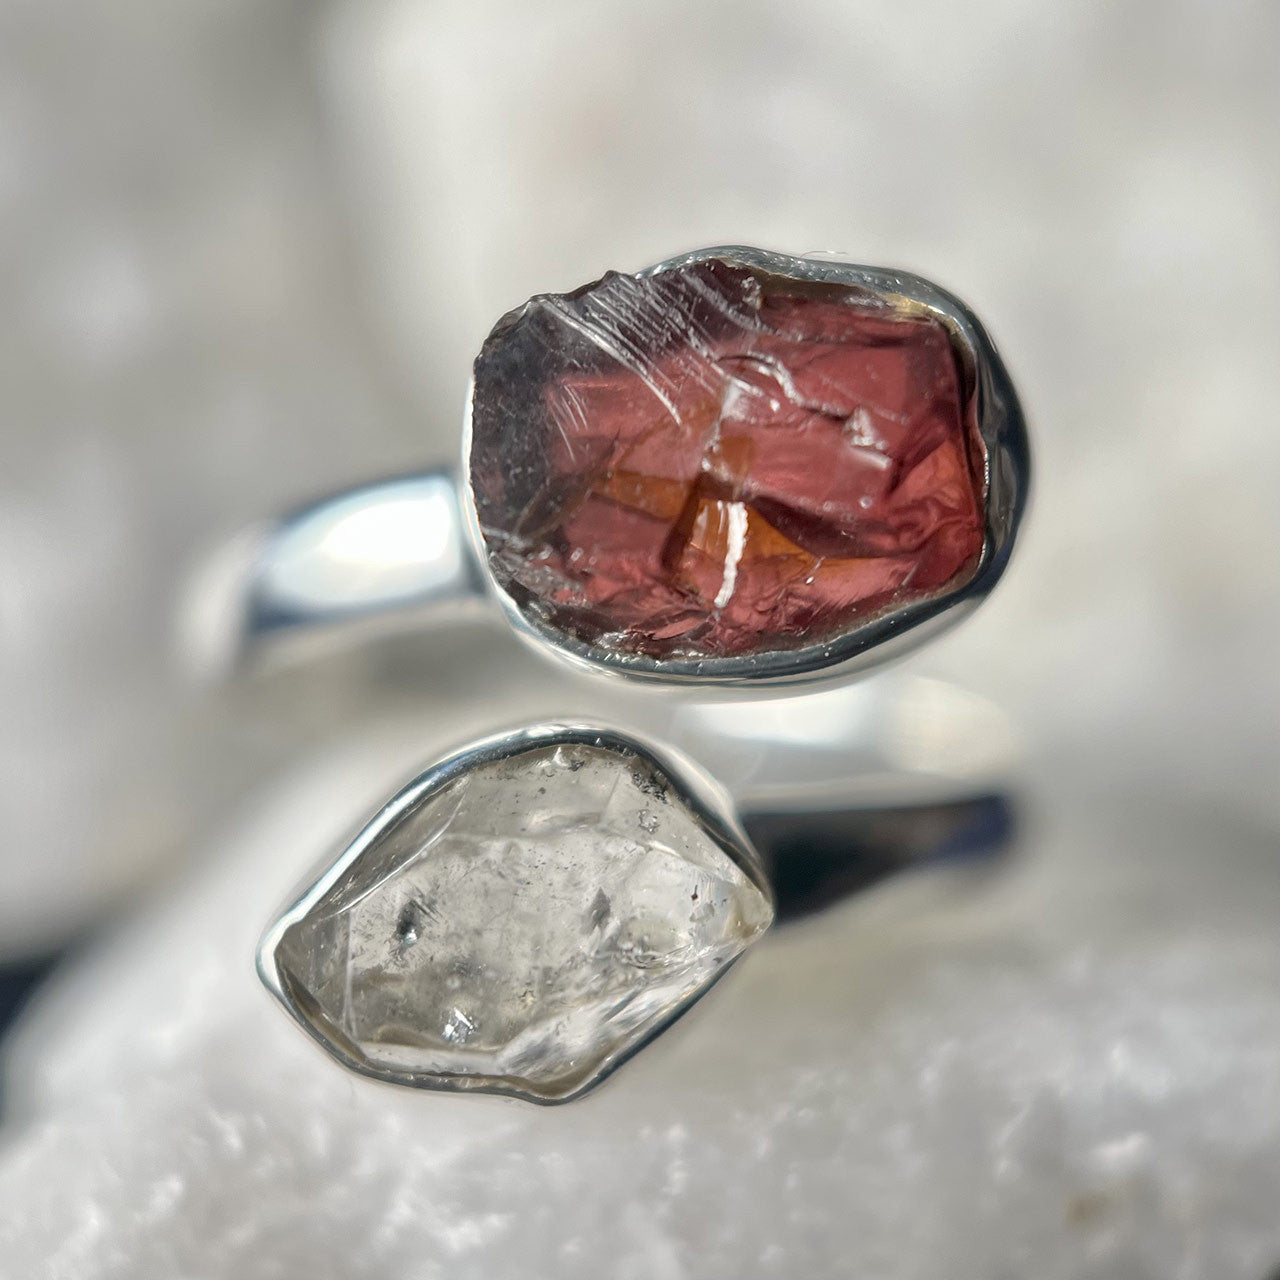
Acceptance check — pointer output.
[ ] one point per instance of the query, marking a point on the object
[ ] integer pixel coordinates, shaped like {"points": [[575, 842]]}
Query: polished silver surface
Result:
{"points": [[897, 740], [384, 557], [893, 632]]}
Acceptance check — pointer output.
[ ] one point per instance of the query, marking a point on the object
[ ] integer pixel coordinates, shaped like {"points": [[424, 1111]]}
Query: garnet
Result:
{"points": [[716, 461]]}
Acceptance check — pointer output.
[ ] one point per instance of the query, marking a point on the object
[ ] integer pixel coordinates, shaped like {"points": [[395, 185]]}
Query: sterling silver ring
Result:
{"points": [[735, 469]]}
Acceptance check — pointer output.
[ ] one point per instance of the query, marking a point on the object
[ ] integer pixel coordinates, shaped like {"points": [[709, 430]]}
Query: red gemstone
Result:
{"points": [[717, 461]]}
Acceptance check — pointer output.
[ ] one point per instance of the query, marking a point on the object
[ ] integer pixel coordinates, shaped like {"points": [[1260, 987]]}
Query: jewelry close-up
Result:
{"points": [[735, 470], [522, 917]]}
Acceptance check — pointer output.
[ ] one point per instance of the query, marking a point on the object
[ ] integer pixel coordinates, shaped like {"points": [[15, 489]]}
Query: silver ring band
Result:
{"points": [[839, 470]]}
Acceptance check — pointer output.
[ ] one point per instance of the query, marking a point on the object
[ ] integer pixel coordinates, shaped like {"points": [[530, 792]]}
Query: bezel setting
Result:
{"points": [[886, 634], [701, 798]]}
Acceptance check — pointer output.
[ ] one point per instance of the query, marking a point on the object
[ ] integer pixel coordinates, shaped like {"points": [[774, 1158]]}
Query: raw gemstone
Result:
{"points": [[525, 927], [717, 461]]}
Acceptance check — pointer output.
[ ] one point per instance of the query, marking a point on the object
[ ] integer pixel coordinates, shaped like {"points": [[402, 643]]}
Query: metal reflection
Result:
{"points": [[379, 558], [889, 740], [380, 547]]}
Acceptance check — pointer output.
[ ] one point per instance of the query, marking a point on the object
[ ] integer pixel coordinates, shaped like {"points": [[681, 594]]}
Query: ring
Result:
{"points": [[734, 469]]}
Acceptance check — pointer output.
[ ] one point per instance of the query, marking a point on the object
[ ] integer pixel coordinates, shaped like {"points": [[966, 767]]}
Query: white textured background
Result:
{"points": [[247, 251]]}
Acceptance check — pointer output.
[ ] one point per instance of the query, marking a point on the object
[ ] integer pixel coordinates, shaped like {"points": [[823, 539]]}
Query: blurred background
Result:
{"points": [[248, 251]]}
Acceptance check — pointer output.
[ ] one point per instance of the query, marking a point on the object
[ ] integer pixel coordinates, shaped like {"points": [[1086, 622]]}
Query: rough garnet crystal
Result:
{"points": [[717, 461], [523, 927]]}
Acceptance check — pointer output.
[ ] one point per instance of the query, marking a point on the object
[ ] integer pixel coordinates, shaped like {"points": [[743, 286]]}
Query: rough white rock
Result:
{"points": [[1064, 1065]]}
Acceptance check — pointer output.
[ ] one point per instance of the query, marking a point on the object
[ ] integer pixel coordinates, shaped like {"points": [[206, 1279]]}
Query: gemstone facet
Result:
{"points": [[521, 924], [717, 461]]}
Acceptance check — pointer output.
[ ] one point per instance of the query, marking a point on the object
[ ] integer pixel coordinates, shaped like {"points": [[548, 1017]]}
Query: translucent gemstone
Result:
{"points": [[715, 461], [525, 927]]}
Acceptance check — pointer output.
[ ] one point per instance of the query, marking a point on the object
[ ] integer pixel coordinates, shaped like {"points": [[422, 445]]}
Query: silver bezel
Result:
{"points": [[695, 789], [881, 638]]}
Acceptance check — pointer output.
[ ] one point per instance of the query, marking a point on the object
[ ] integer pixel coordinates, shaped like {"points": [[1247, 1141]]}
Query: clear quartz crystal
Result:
{"points": [[524, 927]]}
